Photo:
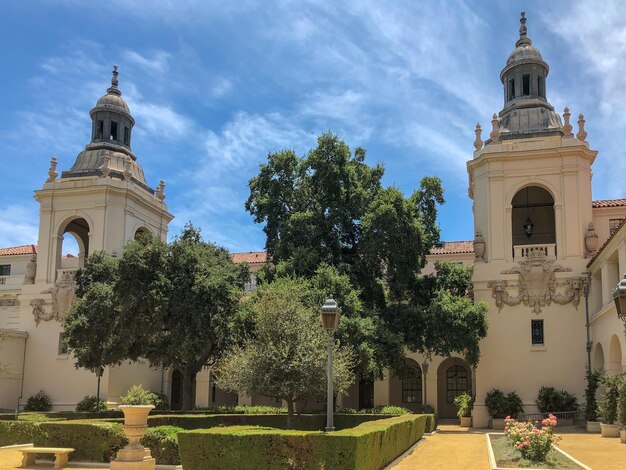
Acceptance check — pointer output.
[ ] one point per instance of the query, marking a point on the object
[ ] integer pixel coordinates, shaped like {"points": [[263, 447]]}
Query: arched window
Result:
{"points": [[142, 232], [412, 383], [532, 217], [73, 243]]}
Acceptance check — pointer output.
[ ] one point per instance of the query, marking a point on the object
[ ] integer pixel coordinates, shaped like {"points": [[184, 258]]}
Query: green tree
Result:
{"points": [[285, 356], [178, 302], [330, 209], [92, 329]]}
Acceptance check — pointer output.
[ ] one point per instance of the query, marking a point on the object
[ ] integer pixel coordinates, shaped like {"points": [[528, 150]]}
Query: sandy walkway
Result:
{"points": [[599, 453]]}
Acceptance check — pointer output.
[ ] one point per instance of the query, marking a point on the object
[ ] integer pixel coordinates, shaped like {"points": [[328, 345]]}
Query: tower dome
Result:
{"points": [[111, 131], [526, 111]]}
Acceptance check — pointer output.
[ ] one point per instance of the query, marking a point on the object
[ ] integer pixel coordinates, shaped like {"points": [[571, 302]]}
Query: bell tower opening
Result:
{"points": [[532, 219], [73, 239]]}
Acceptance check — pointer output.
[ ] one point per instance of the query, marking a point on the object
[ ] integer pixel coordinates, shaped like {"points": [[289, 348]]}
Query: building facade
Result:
{"points": [[545, 256]]}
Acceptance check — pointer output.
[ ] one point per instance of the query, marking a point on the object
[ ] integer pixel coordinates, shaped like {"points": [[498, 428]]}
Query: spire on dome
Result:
{"points": [[113, 89], [523, 32]]}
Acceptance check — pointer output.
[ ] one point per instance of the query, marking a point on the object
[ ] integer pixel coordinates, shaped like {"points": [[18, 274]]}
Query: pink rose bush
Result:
{"points": [[533, 443]]}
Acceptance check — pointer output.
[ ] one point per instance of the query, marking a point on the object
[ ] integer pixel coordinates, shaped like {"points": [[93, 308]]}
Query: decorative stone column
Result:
{"points": [[134, 456]]}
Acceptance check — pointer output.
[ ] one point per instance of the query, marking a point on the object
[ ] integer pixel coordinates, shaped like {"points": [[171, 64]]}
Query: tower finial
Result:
{"points": [[114, 82], [523, 31]]}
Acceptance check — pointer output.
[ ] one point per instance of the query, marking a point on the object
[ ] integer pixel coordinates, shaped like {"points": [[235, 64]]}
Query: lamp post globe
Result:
{"points": [[619, 297], [330, 319]]}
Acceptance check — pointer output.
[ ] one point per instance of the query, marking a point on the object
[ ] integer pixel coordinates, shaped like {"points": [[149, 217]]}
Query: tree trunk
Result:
{"points": [[289, 413], [188, 391]]}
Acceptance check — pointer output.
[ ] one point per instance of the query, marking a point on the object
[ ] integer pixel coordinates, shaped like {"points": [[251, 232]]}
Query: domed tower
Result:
{"points": [[111, 132], [530, 181], [103, 200], [526, 111]]}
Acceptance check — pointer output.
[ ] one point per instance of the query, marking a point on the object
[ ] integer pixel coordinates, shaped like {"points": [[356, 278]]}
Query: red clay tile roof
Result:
{"points": [[453, 248], [252, 257], [19, 250], [609, 203]]}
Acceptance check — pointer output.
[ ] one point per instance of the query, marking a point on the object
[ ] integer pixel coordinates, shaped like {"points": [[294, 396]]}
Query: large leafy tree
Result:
{"points": [[180, 299], [330, 209], [93, 331], [285, 355], [172, 304]]}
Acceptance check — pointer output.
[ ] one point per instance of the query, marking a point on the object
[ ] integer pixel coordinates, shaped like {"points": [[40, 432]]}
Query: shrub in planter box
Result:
{"points": [[463, 402], [500, 406], [551, 400], [608, 405]]}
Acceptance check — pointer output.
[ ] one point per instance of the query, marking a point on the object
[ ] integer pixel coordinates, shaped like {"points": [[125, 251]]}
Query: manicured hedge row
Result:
{"points": [[94, 441], [304, 422], [369, 446]]}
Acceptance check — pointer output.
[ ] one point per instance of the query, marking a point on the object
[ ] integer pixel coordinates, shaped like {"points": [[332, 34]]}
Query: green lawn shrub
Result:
{"points": [[243, 409], [379, 410], [39, 401], [163, 444], [89, 403], [369, 446], [94, 441]]}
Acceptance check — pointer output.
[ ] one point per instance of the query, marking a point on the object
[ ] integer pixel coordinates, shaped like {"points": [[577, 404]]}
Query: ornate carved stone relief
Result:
{"points": [[62, 297], [537, 285]]}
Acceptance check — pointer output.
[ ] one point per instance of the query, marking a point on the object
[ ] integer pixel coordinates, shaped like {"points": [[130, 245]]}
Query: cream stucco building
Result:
{"points": [[543, 251]]}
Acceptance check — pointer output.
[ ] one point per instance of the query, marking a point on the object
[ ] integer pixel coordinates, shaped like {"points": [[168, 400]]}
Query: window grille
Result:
{"points": [[536, 331], [5, 269]]}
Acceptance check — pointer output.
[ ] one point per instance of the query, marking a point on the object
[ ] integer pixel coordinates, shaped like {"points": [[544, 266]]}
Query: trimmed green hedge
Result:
{"points": [[94, 441], [303, 422], [16, 432], [163, 444], [369, 446]]}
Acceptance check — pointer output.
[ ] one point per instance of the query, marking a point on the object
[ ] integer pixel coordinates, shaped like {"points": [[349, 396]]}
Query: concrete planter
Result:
{"points": [[593, 426], [134, 456], [609, 430], [622, 435], [497, 423], [466, 421]]}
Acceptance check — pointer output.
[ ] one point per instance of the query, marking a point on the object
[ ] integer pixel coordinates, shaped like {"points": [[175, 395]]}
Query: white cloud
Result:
{"points": [[158, 63], [19, 224]]}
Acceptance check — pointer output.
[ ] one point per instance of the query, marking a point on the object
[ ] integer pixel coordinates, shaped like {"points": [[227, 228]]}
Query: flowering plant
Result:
{"points": [[533, 443]]}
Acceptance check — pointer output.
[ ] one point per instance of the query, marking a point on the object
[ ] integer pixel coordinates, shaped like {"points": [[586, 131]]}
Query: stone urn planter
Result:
{"points": [[622, 435], [593, 426], [134, 455], [609, 430], [466, 421], [497, 423]]}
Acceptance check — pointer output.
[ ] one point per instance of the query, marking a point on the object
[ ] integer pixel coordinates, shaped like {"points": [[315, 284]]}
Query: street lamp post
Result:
{"points": [[619, 296], [330, 319], [425, 366], [99, 373]]}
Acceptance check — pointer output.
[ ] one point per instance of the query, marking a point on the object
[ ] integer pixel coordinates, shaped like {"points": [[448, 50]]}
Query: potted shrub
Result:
{"points": [[621, 411], [591, 404], [608, 405], [501, 406], [463, 402], [136, 405]]}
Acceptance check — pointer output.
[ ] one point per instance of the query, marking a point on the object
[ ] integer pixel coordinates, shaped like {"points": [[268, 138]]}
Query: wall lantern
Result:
{"points": [[619, 296]]}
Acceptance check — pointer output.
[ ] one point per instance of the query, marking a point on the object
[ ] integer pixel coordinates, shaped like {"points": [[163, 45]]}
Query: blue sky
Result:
{"points": [[214, 86]]}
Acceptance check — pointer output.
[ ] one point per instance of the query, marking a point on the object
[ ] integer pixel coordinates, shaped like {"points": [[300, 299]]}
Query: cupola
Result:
{"points": [[526, 110], [109, 152]]}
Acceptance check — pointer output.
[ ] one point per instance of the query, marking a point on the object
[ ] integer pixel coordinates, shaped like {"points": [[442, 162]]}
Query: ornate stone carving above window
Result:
{"points": [[62, 297], [537, 285]]}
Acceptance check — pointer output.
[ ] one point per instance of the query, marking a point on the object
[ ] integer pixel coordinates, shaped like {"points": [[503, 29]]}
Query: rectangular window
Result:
{"points": [[5, 269], [536, 332], [126, 136], [62, 348], [526, 85], [541, 90], [113, 130], [100, 130], [614, 225], [511, 92]]}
